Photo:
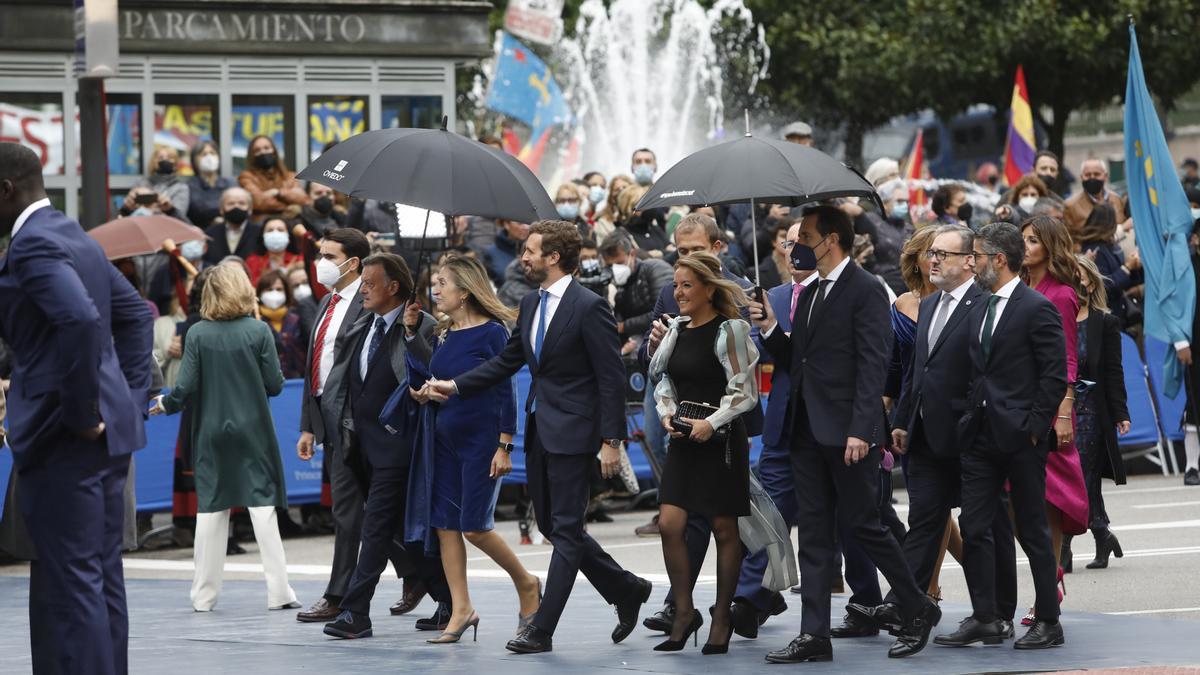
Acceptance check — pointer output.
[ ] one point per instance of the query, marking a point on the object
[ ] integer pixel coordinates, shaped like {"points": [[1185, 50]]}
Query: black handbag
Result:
{"points": [[699, 411]]}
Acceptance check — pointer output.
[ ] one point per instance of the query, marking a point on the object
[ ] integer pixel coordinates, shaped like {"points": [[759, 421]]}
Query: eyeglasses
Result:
{"points": [[942, 255]]}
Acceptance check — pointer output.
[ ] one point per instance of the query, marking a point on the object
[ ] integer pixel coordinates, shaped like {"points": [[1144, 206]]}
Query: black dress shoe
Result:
{"points": [[972, 630], [744, 619], [349, 626], [1042, 635], [409, 599], [882, 617], [662, 620], [1007, 625], [1191, 477], [804, 648], [629, 608], [531, 640], [854, 625], [1106, 545], [915, 635], [439, 620], [778, 606]]}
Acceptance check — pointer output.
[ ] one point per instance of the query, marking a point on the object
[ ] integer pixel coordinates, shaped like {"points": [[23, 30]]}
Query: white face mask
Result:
{"points": [[329, 272], [1195, 214], [302, 292], [1027, 203], [209, 163], [621, 273], [275, 241], [192, 250], [273, 299]]}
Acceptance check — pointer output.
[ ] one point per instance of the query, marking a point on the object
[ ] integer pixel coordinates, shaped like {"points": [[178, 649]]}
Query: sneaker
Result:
{"points": [[1191, 477], [650, 529]]}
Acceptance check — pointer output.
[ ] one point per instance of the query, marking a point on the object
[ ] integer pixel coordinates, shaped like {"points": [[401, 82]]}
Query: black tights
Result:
{"points": [[672, 522]]}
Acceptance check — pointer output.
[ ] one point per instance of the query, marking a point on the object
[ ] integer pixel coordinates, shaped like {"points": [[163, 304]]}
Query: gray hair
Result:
{"points": [[618, 241], [966, 234], [1048, 206], [1103, 164], [1003, 238], [234, 190]]}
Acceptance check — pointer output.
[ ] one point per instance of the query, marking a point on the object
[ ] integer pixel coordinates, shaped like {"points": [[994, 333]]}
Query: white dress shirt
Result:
{"points": [[29, 211], [1004, 294], [339, 314], [388, 319], [555, 294], [956, 297]]}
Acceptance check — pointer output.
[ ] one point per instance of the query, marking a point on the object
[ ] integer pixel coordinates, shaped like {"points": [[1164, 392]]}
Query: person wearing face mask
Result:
{"points": [[275, 307], [272, 186], [510, 239], [568, 201], [1026, 193], [1046, 167], [639, 283], [273, 253], [322, 213], [644, 165], [950, 205], [891, 231], [232, 233], [597, 202], [1093, 173], [1097, 240], [608, 217], [302, 296], [162, 176], [206, 185]]}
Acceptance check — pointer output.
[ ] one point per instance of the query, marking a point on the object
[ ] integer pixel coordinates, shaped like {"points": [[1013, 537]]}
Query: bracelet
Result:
{"points": [[1064, 417]]}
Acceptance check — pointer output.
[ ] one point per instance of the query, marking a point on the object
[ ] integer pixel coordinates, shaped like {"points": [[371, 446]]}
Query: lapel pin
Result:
{"points": [[968, 303]]}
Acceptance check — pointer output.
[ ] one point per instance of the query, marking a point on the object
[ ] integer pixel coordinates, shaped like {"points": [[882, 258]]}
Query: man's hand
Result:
{"points": [[856, 449], [1134, 261], [304, 447], [412, 317], [440, 390], [1184, 355], [610, 461], [658, 330], [629, 347], [762, 315], [156, 406], [1123, 427], [900, 440], [93, 433]]}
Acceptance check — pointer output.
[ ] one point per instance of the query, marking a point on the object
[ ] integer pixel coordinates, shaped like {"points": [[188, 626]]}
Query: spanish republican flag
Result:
{"points": [[914, 170], [1020, 146]]}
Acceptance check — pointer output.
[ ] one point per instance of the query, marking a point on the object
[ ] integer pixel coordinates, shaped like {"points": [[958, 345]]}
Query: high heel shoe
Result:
{"points": [[709, 648], [451, 636], [1062, 586], [1068, 558], [1106, 545], [693, 630], [524, 619]]}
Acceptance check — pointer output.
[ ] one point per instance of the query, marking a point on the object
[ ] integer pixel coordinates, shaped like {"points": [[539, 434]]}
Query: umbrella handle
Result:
{"points": [[169, 246]]}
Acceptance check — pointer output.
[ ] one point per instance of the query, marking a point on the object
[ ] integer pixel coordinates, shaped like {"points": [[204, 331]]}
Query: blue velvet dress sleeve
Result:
{"points": [[904, 330]]}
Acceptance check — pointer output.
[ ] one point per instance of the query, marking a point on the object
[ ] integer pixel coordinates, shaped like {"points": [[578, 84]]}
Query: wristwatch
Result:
{"points": [[613, 443], [507, 447]]}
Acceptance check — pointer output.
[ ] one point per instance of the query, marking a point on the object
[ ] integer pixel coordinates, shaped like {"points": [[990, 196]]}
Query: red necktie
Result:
{"points": [[319, 343]]}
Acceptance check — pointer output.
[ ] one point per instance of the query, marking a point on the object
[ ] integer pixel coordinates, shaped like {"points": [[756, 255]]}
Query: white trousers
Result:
{"points": [[212, 535]]}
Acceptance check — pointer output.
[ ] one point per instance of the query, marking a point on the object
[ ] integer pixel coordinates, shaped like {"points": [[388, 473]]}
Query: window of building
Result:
{"points": [[332, 119], [182, 121], [270, 116], [125, 135], [422, 112], [35, 121]]}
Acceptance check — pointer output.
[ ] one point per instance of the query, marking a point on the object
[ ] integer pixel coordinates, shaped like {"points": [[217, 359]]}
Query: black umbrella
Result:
{"points": [[756, 169]]}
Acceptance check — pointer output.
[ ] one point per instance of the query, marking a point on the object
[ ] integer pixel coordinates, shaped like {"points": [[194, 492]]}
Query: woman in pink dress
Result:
{"points": [[1050, 269]]}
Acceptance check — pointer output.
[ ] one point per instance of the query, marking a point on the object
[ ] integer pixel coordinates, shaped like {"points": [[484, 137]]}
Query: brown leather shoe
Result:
{"points": [[412, 597], [650, 529], [320, 612]]}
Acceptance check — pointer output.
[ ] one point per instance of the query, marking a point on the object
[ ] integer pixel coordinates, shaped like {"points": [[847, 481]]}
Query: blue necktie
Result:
{"points": [[376, 339], [540, 335]]}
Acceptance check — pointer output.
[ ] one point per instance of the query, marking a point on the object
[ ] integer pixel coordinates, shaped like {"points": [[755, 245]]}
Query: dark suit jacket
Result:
{"points": [[666, 305], [218, 247], [938, 381], [579, 384], [314, 413], [773, 431], [838, 361], [1019, 387], [1103, 366], [80, 337]]}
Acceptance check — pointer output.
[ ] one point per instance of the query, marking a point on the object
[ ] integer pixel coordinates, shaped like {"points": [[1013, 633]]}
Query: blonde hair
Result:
{"points": [[470, 276], [910, 258], [1098, 297], [629, 198], [729, 298], [227, 294]]}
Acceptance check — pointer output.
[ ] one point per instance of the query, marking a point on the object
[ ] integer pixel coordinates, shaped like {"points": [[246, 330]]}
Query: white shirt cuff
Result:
{"points": [[767, 333], [1182, 344]]}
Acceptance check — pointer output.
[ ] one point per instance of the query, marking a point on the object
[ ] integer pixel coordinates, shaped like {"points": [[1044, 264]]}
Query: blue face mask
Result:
{"points": [[597, 194], [900, 210], [804, 258], [192, 250], [643, 174], [568, 211]]}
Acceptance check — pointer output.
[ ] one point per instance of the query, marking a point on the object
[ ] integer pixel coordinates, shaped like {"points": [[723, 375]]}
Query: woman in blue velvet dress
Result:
{"points": [[471, 436]]}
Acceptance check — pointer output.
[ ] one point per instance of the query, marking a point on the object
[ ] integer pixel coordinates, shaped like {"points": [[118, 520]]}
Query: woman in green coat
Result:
{"points": [[229, 368]]}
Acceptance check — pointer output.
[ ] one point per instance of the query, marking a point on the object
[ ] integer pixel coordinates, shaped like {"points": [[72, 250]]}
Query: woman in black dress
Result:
{"points": [[705, 358]]}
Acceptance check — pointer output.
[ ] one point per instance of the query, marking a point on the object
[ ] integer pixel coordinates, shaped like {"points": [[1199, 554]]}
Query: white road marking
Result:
{"points": [[1165, 505], [1155, 611]]}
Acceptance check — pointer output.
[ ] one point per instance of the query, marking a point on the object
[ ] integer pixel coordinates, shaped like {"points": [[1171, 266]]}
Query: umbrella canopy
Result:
{"points": [[765, 170], [139, 235], [433, 169]]}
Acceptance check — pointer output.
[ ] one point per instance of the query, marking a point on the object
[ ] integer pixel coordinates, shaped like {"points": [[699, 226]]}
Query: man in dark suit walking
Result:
{"points": [[576, 406], [836, 357], [381, 461], [1018, 373], [81, 339], [926, 420]]}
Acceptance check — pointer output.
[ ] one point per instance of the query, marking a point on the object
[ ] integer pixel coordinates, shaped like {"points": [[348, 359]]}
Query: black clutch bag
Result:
{"points": [[697, 411]]}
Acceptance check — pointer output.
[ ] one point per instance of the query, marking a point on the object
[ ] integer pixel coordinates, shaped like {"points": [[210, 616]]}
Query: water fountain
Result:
{"points": [[658, 74]]}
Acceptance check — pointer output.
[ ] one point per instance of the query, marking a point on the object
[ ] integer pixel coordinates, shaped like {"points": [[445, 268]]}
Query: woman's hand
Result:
{"points": [[175, 349], [701, 430], [666, 422], [418, 395], [1123, 427], [1064, 429], [501, 464], [156, 406]]}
